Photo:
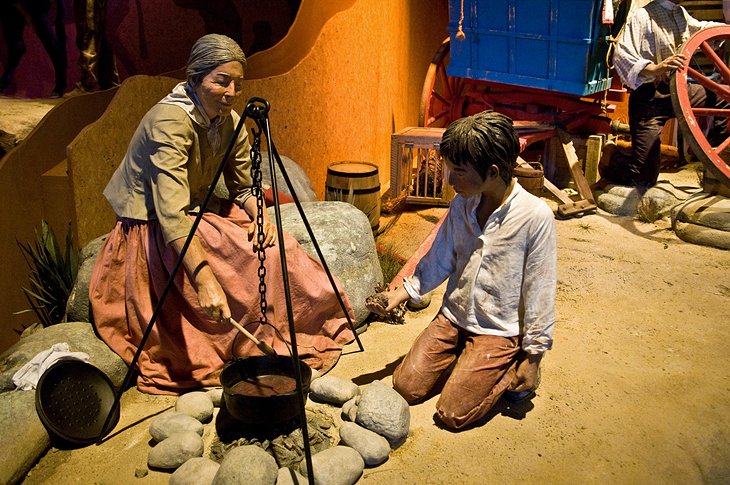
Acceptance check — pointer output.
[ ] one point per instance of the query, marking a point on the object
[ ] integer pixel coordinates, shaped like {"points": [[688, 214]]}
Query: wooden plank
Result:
{"points": [[593, 155], [575, 166]]}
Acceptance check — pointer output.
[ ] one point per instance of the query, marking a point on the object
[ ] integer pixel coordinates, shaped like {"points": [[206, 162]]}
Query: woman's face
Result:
{"points": [[220, 88]]}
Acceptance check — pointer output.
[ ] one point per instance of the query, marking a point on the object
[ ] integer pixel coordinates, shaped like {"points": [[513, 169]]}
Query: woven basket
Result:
{"points": [[531, 178]]}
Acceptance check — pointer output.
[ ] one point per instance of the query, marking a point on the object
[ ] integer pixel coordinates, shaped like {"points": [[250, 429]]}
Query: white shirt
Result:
{"points": [[652, 34], [502, 279]]}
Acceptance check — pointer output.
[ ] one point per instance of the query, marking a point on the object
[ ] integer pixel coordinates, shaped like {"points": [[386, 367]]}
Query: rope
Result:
{"points": [[460, 35]]}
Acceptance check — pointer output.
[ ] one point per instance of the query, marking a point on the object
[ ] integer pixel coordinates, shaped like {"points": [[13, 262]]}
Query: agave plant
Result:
{"points": [[53, 274]]}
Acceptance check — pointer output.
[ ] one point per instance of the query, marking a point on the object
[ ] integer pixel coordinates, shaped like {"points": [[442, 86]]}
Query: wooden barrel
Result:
{"points": [[356, 183], [530, 178]]}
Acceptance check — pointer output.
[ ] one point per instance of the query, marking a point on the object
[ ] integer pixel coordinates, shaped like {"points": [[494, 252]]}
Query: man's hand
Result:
{"points": [[671, 63], [384, 302], [526, 376]]}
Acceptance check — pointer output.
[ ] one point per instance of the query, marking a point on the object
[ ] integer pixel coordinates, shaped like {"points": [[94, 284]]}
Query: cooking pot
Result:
{"points": [[262, 389]]}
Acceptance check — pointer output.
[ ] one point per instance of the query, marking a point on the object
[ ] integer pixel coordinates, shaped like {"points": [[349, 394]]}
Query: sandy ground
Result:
{"points": [[635, 390]]}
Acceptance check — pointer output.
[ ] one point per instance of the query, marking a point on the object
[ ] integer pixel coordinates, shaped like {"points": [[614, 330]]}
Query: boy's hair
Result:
{"points": [[485, 139]]}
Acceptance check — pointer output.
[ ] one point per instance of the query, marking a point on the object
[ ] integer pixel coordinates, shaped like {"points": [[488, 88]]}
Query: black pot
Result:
{"points": [[260, 409]]}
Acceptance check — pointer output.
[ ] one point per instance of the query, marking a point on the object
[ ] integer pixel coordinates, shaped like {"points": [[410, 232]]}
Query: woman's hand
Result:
{"points": [[211, 297], [269, 233], [526, 376]]}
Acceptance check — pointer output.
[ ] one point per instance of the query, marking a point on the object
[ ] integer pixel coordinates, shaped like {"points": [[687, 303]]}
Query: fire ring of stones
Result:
{"points": [[372, 421]]}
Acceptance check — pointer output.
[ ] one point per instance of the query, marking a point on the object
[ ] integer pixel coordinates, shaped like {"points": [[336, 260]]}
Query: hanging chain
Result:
{"points": [[258, 193]]}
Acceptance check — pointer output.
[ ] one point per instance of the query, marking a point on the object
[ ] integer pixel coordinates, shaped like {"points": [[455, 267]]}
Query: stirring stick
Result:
{"points": [[262, 346]]}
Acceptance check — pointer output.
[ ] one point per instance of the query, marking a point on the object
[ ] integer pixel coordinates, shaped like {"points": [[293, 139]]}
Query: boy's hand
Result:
{"points": [[385, 301], [526, 376]]}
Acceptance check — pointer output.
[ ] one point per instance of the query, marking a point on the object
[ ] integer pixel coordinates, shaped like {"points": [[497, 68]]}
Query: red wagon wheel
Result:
{"points": [[442, 99], [714, 76]]}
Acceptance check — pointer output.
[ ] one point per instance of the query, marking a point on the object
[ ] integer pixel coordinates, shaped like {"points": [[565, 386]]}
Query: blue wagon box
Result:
{"points": [[555, 45]]}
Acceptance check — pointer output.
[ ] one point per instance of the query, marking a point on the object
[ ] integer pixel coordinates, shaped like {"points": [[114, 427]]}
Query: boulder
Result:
{"points": [[176, 450], [195, 471], [25, 439], [197, 404], [78, 308], [80, 337], [333, 390], [297, 176], [373, 448], [346, 240], [165, 425], [247, 464]]}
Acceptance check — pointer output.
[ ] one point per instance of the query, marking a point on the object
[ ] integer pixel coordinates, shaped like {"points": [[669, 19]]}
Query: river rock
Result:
{"points": [[340, 465], [373, 448], [196, 404], [175, 450], [333, 390], [165, 425], [78, 308], [247, 464], [346, 240], [215, 395], [385, 412], [25, 439], [349, 409], [80, 337], [195, 471], [287, 476]]}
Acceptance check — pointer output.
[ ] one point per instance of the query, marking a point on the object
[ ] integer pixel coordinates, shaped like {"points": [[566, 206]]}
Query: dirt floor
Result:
{"points": [[635, 390]]}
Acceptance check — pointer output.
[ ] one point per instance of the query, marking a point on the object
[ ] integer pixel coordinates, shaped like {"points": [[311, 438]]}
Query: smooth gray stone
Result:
{"points": [[349, 409], [215, 395], [80, 337], [78, 308], [297, 176], [346, 240], [247, 464], [333, 390], [175, 450], [165, 425], [373, 448], [340, 465], [385, 412], [287, 476], [196, 404], [195, 471], [25, 439]]}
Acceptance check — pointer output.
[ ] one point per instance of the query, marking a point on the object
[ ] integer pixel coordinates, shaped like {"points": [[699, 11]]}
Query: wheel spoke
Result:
{"points": [[440, 115], [441, 98], [722, 112], [722, 91], [723, 146], [444, 80], [715, 59]]}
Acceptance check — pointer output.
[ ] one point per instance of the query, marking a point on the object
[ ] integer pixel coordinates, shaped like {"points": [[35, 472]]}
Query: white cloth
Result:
{"points": [[652, 34], [184, 97], [27, 377], [502, 279]]}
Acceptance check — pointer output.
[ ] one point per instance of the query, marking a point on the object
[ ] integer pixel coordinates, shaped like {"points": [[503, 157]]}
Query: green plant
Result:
{"points": [[52, 276]]}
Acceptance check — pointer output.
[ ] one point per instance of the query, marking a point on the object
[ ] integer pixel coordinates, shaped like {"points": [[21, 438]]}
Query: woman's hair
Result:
{"points": [[485, 139], [209, 52]]}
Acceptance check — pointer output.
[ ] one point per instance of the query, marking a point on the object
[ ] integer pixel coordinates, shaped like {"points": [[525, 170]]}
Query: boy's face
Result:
{"points": [[466, 180]]}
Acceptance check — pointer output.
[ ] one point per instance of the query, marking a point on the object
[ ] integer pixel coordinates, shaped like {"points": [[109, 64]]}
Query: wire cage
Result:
{"points": [[417, 170]]}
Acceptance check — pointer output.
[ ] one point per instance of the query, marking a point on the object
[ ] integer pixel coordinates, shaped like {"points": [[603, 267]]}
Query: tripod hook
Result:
{"points": [[257, 108]]}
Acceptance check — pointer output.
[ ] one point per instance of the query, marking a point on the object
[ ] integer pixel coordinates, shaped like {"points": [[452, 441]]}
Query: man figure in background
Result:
{"points": [[646, 55]]}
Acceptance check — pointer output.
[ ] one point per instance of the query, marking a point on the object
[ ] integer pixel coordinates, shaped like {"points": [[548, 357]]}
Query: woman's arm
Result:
{"points": [[211, 296]]}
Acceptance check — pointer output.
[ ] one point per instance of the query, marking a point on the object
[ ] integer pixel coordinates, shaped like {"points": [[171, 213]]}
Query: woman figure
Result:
{"points": [[162, 179]]}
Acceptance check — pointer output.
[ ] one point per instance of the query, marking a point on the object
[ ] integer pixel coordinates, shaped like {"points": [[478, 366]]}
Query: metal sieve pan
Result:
{"points": [[73, 400]]}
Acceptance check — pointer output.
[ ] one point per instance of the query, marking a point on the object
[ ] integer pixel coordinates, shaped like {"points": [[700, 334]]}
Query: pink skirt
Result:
{"points": [[186, 348]]}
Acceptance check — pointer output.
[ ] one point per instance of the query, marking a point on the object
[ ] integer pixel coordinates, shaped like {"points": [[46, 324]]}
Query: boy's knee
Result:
{"points": [[405, 387]]}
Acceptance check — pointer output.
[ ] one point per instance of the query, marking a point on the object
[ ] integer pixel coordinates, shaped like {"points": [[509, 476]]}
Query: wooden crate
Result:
{"points": [[417, 170]]}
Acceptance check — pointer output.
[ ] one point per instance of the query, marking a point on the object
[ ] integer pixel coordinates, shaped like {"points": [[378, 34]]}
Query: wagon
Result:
{"points": [[547, 65], [543, 63]]}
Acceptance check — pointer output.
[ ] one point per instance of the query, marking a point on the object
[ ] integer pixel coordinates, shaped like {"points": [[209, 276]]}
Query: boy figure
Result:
{"points": [[497, 247]]}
